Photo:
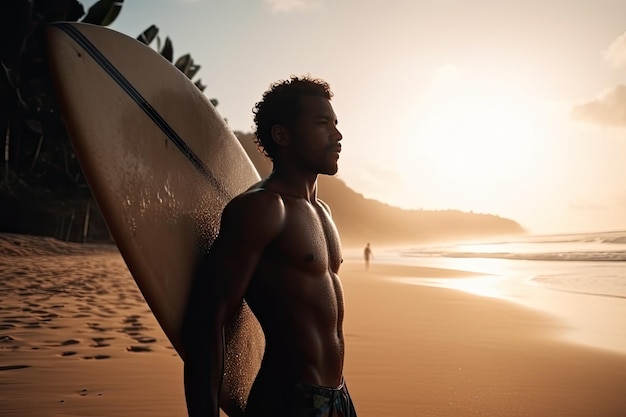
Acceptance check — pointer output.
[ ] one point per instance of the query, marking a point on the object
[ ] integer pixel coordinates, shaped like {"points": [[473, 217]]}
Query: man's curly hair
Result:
{"points": [[280, 105]]}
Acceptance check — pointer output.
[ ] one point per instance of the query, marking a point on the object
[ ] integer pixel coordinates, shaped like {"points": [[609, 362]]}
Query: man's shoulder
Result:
{"points": [[256, 205], [257, 199], [259, 215]]}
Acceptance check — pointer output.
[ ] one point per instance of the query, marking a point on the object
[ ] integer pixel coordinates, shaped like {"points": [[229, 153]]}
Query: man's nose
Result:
{"points": [[338, 134]]}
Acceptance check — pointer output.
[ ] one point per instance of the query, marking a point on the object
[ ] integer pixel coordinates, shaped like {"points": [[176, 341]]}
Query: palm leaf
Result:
{"points": [[148, 35], [104, 12], [168, 50]]}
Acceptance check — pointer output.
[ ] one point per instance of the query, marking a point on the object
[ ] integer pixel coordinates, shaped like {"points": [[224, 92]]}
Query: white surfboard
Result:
{"points": [[162, 164]]}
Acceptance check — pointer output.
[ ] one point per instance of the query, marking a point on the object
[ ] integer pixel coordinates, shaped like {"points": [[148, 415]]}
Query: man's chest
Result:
{"points": [[310, 239]]}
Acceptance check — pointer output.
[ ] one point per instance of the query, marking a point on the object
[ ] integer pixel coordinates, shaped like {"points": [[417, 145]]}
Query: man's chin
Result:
{"points": [[330, 171]]}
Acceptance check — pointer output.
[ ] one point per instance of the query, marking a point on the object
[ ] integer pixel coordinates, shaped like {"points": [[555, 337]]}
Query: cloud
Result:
{"points": [[285, 6], [609, 109], [615, 54]]}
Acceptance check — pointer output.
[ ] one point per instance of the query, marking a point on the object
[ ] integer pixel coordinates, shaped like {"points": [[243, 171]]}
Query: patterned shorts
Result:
{"points": [[315, 401]]}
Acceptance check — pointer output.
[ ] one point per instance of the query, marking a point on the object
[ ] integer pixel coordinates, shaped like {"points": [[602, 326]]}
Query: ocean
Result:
{"points": [[579, 279]]}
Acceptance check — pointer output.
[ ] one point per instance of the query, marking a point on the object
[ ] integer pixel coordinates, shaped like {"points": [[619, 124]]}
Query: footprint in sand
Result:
{"points": [[83, 393], [132, 319], [133, 326], [70, 342], [47, 317], [68, 353], [145, 339], [96, 357], [13, 367], [14, 319], [138, 349], [100, 342], [97, 327]]}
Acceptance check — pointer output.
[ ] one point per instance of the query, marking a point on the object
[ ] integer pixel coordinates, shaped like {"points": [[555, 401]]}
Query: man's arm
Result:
{"points": [[249, 223]]}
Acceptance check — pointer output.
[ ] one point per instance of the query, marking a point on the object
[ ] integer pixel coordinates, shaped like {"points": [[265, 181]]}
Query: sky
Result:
{"points": [[509, 107]]}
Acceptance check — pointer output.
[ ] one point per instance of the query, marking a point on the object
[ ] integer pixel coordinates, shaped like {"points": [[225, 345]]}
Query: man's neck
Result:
{"points": [[295, 183]]}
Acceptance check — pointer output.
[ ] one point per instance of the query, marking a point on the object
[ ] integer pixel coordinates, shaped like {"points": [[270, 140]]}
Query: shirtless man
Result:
{"points": [[367, 254], [278, 247]]}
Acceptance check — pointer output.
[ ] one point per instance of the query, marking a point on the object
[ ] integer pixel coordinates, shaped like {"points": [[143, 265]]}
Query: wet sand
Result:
{"points": [[424, 351], [77, 339]]}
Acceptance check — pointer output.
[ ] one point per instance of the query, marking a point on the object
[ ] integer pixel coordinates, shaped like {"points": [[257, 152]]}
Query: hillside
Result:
{"points": [[361, 220]]}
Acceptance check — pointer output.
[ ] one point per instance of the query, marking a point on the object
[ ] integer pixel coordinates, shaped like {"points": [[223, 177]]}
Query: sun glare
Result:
{"points": [[474, 136]]}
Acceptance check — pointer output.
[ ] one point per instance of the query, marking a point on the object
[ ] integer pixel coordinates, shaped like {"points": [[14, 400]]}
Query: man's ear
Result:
{"points": [[280, 135]]}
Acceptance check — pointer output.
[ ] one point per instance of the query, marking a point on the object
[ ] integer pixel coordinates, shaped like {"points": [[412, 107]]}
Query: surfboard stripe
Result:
{"points": [[150, 111]]}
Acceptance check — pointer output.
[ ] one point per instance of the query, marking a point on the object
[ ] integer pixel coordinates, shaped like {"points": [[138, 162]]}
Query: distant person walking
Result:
{"points": [[368, 254]]}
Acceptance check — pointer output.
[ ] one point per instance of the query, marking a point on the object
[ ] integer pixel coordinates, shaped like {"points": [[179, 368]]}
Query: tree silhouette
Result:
{"points": [[42, 187]]}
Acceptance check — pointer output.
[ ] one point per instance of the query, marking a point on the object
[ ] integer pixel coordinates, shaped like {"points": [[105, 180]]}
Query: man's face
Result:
{"points": [[315, 138]]}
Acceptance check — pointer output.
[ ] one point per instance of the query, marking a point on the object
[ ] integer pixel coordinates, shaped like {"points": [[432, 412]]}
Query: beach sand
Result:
{"points": [[76, 339], [423, 351]]}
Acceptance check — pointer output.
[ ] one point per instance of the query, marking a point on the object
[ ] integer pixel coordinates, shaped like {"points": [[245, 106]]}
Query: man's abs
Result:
{"points": [[304, 340]]}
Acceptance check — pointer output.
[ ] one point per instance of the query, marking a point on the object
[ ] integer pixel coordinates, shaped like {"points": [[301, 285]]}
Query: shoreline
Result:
{"points": [[586, 319], [437, 352]]}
